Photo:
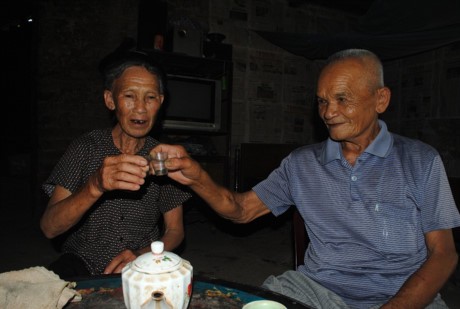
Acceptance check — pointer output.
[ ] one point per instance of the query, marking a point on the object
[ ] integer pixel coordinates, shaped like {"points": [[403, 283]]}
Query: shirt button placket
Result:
{"points": [[353, 188]]}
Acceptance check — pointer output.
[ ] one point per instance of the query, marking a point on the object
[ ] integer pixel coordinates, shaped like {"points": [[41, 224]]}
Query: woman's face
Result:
{"points": [[136, 100]]}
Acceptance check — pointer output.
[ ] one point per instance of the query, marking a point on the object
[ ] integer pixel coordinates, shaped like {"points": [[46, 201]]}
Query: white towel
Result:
{"points": [[35, 287]]}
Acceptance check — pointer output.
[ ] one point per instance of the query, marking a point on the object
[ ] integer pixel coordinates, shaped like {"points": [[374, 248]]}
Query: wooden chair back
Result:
{"points": [[301, 239]]}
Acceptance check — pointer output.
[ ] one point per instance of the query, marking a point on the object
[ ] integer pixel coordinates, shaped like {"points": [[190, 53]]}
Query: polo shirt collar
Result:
{"points": [[379, 147]]}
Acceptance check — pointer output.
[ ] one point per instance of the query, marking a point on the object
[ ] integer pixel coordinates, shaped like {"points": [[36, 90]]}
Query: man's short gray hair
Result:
{"points": [[375, 64]]}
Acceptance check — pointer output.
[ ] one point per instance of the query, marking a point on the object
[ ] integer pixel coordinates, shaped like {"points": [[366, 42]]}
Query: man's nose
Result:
{"points": [[328, 111]]}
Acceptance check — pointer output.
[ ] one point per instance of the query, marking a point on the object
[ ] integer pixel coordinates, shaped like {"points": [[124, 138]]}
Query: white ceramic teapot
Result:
{"points": [[157, 279]]}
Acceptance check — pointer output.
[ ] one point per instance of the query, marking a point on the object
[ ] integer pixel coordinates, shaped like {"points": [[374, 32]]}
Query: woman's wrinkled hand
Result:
{"points": [[120, 261], [122, 172]]}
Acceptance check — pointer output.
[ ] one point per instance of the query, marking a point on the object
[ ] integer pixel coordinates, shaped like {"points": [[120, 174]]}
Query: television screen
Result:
{"points": [[190, 99], [192, 103]]}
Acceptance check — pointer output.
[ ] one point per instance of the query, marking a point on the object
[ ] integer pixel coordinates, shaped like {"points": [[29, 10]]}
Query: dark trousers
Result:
{"points": [[69, 265]]}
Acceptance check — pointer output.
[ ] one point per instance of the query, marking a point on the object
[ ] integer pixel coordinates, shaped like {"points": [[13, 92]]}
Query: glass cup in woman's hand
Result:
{"points": [[158, 161]]}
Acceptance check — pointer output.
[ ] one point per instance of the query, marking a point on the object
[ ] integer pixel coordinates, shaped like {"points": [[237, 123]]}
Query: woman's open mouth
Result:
{"points": [[138, 122]]}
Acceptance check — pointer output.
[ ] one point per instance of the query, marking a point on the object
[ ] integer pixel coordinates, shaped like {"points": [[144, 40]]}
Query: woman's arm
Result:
{"points": [[172, 238], [65, 209], [174, 229]]}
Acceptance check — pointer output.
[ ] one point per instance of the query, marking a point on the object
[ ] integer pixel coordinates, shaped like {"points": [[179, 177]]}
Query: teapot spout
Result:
{"points": [[158, 301]]}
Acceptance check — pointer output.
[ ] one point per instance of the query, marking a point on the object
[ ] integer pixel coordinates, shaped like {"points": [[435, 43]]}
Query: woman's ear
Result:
{"points": [[108, 99], [383, 100]]}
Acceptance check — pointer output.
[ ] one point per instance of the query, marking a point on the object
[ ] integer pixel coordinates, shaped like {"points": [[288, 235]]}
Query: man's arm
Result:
{"points": [[238, 207], [421, 288], [65, 209]]}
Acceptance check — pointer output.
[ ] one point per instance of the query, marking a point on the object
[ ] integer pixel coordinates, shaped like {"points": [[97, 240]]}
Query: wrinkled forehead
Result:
{"points": [[352, 70], [137, 71], [136, 76], [345, 66]]}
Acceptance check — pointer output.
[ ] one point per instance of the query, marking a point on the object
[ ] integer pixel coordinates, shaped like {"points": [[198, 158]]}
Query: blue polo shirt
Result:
{"points": [[366, 222]]}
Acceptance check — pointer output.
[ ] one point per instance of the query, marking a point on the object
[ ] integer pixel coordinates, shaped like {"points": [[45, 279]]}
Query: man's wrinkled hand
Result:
{"points": [[181, 167]]}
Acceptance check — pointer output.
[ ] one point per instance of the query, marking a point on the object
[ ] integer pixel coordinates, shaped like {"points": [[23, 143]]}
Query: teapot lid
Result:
{"points": [[158, 261]]}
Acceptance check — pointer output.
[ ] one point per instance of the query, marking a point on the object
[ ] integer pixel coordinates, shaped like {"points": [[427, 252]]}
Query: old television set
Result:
{"points": [[193, 103]]}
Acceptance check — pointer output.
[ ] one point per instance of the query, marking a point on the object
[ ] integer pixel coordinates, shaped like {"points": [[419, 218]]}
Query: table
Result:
{"points": [[106, 292]]}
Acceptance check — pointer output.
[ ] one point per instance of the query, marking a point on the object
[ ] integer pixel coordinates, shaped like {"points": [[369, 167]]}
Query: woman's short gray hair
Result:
{"points": [[113, 66]]}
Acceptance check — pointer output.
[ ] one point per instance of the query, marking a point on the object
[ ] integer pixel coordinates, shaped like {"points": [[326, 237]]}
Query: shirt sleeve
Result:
{"points": [[173, 195], [438, 210], [70, 170], [275, 191]]}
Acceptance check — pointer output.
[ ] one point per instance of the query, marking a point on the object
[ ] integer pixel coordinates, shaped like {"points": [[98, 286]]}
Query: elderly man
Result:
{"points": [[377, 206]]}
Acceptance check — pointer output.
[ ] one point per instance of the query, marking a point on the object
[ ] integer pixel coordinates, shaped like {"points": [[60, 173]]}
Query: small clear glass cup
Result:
{"points": [[158, 161]]}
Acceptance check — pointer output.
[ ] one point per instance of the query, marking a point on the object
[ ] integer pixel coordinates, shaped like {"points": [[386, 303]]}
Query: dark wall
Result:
{"points": [[74, 35]]}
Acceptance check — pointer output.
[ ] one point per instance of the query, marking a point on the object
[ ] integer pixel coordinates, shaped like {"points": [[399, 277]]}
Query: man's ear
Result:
{"points": [[108, 99], [384, 95]]}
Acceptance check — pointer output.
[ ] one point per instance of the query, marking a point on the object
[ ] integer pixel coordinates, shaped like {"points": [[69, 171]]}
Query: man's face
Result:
{"points": [[136, 99], [347, 103]]}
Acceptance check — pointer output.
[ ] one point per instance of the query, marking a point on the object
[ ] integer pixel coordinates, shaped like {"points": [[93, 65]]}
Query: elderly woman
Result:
{"points": [[100, 194]]}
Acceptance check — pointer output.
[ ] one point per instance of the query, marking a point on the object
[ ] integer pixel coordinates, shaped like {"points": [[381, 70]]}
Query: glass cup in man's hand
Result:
{"points": [[158, 161]]}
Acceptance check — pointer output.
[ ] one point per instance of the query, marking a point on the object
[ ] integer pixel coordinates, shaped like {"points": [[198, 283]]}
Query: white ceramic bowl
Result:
{"points": [[264, 304]]}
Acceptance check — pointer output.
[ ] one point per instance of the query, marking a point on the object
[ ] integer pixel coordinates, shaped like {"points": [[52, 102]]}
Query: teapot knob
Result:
{"points": [[157, 247]]}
